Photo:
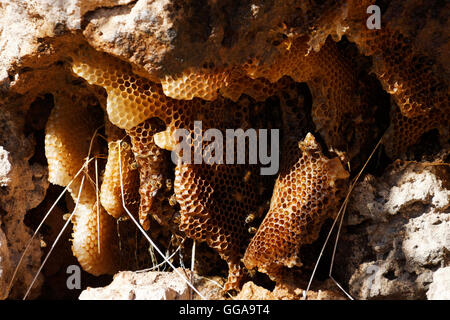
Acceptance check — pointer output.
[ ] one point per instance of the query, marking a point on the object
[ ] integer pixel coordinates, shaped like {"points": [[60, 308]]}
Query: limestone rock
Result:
{"points": [[145, 286], [400, 232], [251, 291], [5, 167], [152, 285], [396, 242], [162, 37], [289, 291], [23, 187], [440, 288], [5, 267]]}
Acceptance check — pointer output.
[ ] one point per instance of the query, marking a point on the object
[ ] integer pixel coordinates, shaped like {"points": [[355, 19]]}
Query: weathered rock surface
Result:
{"points": [[144, 286], [25, 24], [5, 265], [290, 291], [153, 285], [397, 240], [252, 291], [164, 37], [23, 187], [398, 236], [160, 36], [440, 287]]}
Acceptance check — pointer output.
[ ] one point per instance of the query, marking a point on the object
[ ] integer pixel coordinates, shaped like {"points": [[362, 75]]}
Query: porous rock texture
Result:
{"points": [[144, 286], [158, 285], [23, 186], [398, 234], [440, 288], [154, 285], [401, 218], [251, 291]]}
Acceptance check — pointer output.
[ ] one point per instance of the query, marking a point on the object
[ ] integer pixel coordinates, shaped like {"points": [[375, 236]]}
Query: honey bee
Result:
{"points": [[156, 184], [123, 218], [125, 145], [169, 184], [247, 176], [173, 200], [252, 230], [250, 218], [134, 165], [176, 218]]}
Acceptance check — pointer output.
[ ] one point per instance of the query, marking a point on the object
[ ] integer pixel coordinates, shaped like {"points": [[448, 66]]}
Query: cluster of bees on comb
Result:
{"points": [[251, 221]]}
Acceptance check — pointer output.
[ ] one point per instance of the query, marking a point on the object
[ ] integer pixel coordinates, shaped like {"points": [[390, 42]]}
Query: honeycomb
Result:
{"points": [[214, 202], [305, 195], [226, 208], [93, 257], [153, 166], [213, 208], [407, 75], [72, 117], [405, 131], [221, 232], [207, 84], [259, 89], [420, 95], [329, 76], [201, 83], [415, 82], [130, 99], [211, 212], [58, 142], [110, 191], [327, 72]]}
